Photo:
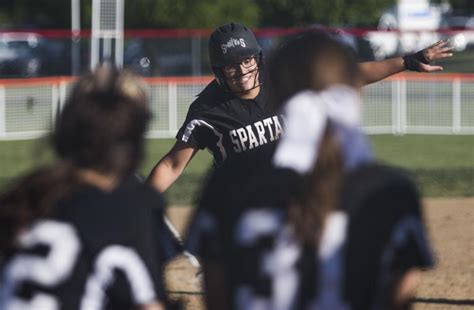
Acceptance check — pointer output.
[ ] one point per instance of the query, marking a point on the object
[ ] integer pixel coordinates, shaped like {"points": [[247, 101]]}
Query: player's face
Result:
{"points": [[242, 77]]}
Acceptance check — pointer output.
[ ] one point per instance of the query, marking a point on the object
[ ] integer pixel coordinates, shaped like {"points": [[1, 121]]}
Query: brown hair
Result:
{"points": [[103, 122], [312, 61], [101, 128]]}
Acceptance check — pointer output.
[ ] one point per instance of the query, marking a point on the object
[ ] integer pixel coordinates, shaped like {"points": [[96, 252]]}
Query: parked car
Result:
{"points": [[31, 55], [19, 54], [406, 27]]}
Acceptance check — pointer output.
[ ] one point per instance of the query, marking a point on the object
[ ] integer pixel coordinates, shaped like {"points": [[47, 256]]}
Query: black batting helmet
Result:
{"points": [[230, 44]]}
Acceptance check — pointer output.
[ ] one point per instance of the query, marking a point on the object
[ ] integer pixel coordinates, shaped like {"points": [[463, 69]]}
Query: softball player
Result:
{"points": [[84, 233], [231, 117], [320, 225]]}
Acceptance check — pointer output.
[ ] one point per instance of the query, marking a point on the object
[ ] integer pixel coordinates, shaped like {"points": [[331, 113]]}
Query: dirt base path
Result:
{"points": [[450, 286]]}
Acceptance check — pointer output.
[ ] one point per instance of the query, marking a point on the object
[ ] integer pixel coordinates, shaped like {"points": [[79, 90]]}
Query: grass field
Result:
{"points": [[442, 165]]}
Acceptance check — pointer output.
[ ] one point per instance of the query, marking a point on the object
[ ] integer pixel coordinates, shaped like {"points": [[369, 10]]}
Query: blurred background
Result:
{"points": [[169, 37], [422, 122]]}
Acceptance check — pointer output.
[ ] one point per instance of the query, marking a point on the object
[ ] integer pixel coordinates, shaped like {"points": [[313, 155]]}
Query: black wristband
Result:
{"points": [[421, 57], [412, 61]]}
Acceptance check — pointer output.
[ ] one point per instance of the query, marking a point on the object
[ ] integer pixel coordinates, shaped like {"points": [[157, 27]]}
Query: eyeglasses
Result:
{"points": [[246, 63]]}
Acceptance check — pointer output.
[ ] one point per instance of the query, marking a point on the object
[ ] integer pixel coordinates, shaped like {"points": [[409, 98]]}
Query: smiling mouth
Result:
{"points": [[243, 78]]}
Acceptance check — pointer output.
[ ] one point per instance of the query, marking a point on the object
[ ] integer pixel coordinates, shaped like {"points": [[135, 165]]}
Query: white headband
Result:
{"points": [[306, 115]]}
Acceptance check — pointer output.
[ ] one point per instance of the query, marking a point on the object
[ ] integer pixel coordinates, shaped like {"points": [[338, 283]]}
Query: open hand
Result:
{"points": [[439, 50]]}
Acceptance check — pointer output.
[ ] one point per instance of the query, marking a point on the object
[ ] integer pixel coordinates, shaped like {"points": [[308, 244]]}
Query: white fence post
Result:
{"points": [[456, 105], [62, 94], [396, 107], [3, 114], [403, 106], [119, 34], [95, 38], [54, 104], [173, 107]]}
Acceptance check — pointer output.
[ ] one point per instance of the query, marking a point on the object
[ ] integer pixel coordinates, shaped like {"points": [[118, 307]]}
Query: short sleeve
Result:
{"points": [[391, 215], [196, 131], [386, 233]]}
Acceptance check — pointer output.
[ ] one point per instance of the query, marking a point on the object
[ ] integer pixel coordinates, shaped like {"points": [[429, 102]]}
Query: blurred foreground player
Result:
{"points": [[321, 226], [83, 233]]}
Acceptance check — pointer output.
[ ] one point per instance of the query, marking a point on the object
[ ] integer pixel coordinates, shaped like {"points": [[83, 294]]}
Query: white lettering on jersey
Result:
{"points": [[242, 137], [268, 123], [235, 141], [197, 123], [261, 132], [278, 127], [252, 139], [255, 135]]}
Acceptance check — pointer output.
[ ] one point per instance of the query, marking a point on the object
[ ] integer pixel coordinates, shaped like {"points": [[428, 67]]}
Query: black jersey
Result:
{"points": [[99, 250], [377, 234], [227, 125]]}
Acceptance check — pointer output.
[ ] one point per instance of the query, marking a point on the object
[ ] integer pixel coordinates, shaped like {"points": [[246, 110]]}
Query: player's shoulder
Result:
{"points": [[377, 176], [210, 97], [130, 198], [378, 186], [130, 211]]}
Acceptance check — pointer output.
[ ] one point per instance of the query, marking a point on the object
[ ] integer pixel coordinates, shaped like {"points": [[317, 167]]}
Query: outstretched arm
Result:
{"points": [[374, 71], [170, 167]]}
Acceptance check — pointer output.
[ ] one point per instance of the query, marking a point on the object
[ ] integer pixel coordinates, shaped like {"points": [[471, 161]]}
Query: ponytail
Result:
{"points": [[321, 192]]}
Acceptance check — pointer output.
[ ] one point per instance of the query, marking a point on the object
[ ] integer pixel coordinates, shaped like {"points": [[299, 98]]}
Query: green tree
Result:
{"points": [[38, 13], [189, 13], [210, 13], [291, 13], [138, 13], [463, 6]]}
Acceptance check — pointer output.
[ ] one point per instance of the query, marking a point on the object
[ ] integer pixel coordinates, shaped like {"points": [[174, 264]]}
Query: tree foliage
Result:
{"points": [[38, 13], [290, 13], [138, 13], [189, 13], [463, 6], [210, 13]]}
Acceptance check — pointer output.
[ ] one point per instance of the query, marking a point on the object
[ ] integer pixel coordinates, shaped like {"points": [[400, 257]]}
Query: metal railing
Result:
{"points": [[404, 104]]}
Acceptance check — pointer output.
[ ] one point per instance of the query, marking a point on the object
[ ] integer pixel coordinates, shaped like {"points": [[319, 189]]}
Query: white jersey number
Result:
{"points": [[277, 263], [51, 270], [56, 266]]}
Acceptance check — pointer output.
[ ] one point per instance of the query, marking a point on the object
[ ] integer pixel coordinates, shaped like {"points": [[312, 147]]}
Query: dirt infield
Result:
{"points": [[449, 286]]}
